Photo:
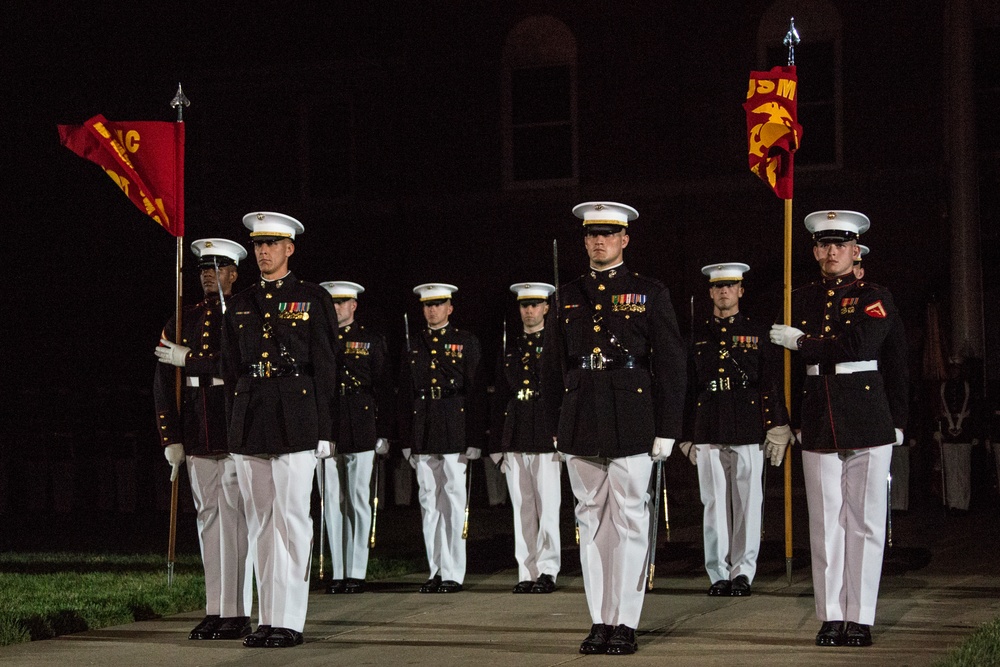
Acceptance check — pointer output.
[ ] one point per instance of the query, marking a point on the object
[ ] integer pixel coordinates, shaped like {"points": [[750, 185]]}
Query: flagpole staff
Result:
{"points": [[791, 40], [178, 102]]}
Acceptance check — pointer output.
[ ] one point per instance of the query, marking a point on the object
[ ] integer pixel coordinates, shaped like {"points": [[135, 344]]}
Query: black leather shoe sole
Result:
{"points": [[431, 585], [596, 642], [257, 638], [449, 587], [719, 588], [831, 633], [523, 587], [740, 587], [232, 628], [857, 635], [354, 586], [622, 641], [283, 638], [545, 584]]}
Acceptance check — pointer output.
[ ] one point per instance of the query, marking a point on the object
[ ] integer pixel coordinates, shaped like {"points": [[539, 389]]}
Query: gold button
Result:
{"points": [[639, 390], [525, 381], [867, 388], [723, 329], [435, 339], [598, 307], [628, 317], [267, 315], [434, 351], [204, 347], [597, 327], [263, 355], [434, 380], [829, 304], [526, 368], [601, 287], [204, 334], [826, 328], [340, 336], [722, 370], [827, 316], [268, 296], [829, 293], [597, 350]]}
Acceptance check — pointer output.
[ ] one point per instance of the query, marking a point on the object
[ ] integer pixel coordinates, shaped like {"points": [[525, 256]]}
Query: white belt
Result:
{"points": [[846, 367], [193, 381]]}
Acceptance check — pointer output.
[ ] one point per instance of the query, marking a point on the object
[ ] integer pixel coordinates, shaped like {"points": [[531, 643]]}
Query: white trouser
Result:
{"points": [[900, 470], [442, 494], [222, 533], [348, 512], [276, 493], [533, 481], [957, 460], [847, 514], [612, 508], [731, 491]]}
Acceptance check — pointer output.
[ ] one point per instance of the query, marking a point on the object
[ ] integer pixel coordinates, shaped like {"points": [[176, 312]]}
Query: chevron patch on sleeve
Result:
{"points": [[876, 309]]}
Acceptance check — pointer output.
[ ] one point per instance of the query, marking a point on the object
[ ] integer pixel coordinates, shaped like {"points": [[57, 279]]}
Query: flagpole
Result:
{"points": [[791, 40], [178, 102]]}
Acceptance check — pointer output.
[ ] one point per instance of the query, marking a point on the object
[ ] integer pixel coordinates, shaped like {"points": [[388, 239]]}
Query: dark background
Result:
{"points": [[380, 126]]}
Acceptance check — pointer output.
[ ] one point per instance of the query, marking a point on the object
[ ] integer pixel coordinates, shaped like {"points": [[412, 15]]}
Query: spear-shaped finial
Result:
{"points": [[180, 101], [791, 40]]}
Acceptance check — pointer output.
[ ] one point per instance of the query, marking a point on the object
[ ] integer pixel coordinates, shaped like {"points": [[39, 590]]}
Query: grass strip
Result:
{"points": [[44, 595], [980, 648]]}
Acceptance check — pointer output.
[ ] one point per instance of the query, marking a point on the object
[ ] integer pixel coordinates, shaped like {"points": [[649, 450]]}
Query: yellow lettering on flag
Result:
{"points": [[786, 88]]}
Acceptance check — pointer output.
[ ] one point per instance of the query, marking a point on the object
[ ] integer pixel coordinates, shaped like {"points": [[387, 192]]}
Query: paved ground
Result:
{"points": [[938, 586]]}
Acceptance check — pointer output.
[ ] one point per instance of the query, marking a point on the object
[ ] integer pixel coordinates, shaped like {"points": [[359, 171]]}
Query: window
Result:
{"points": [[539, 116]]}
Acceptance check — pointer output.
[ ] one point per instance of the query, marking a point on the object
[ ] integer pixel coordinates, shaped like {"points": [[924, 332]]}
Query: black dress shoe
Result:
{"points": [[283, 638], [831, 633], [204, 629], [257, 638], [545, 584], [721, 587], [856, 634], [597, 641], [431, 585], [523, 586], [232, 627], [740, 586], [354, 585], [336, 586], [449, 586], [622, 641]]}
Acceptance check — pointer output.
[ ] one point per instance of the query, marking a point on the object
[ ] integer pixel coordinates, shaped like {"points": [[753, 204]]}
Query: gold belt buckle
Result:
{"points": [[435, 392]]}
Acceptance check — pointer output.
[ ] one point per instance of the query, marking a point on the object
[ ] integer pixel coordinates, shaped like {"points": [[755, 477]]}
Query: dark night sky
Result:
{"points": [[95, 277]]}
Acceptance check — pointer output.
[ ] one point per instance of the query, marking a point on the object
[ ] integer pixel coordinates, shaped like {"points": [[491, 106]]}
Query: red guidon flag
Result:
{"points": [[773, 131], [144, 158]]}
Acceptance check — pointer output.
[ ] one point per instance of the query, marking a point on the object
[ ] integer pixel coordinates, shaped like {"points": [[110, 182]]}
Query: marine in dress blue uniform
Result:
{"points": [[523, 446], [438, 387], [847, 424], [197, 435], [613, 383], [277, 358], [364, 397], [736, 411]]}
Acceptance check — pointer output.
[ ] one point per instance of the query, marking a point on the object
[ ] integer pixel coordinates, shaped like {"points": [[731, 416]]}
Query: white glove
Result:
{"points": [[324, 449], [688, 449], [899, 438], [381, 446], [938, 438], [786, 336], [174, 454], [171, 353], [473, 453], [776, 441], [406, 455], [496, 457], [661, 448]]}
